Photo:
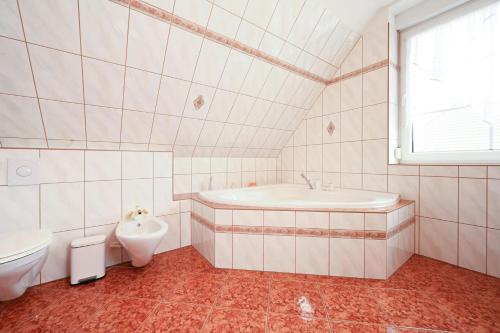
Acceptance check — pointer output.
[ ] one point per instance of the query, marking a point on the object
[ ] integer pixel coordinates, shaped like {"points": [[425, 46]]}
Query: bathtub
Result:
{"points": [[292, 229], [299, 197]]}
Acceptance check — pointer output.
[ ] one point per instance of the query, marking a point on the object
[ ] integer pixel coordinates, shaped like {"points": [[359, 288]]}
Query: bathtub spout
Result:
{"points": [[308, 181]]}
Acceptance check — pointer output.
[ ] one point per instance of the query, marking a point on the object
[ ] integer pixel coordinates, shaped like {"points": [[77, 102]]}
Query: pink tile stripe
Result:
{"points": [[216, 37], [313, 232]]}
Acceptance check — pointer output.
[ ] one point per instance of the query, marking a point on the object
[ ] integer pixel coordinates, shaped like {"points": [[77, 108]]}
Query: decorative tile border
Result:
{"points": [[168, 17], [357, 72], [311, 232]]}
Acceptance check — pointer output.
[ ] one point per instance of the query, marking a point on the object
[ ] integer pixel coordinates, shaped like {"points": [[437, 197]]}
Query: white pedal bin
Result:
{"points": [[88, 262]]}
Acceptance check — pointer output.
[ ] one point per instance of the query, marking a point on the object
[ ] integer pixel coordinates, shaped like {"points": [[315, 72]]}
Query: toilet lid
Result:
{"points": [[17, 244]]}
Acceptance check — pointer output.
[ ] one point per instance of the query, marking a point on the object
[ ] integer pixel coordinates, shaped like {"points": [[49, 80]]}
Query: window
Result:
{"points": [[450, 86]]}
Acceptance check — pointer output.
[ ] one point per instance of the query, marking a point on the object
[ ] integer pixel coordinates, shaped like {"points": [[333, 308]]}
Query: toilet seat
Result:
{"points": [[18, 244]]}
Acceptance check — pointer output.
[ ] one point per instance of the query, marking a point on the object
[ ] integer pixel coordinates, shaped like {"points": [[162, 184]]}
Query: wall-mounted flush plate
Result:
{"points": [[23, 172]]}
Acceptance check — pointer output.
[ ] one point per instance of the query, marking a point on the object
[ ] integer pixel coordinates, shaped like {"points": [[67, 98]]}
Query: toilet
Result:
{"points": [[22, 255]]}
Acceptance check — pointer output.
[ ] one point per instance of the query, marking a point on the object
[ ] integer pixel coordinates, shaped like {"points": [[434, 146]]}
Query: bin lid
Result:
{"points": [[87, 241]]}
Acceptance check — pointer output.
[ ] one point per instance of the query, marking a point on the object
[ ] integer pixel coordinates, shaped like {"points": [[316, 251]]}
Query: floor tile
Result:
{"points": [[235, 320], [176, 317], [278, 323], [247, 294], [120, 315], [286, 296], [200, 288]]}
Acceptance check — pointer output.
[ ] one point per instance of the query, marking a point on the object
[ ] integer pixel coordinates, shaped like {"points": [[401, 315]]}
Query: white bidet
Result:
{"points": [[141, 238]]}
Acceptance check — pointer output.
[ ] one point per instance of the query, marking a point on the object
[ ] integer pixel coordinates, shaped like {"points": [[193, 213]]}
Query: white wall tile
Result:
{"points": [[15, 68], [63, 121], [61, 206], [312, 255], [137, 192], [276, 218], [318, 220], [137, 165], [248, 251], [438, 240], [172, 239], [11, 22], [223, 250], [103, 202], [103, 83], [439, 198], [472, 247], [182, 54], [279, 253], [248, 217], [57, 264], [472, 201], [163, 201], [61, 166], [493, 252], [102, 165], [22, 119], [375, 259], [20, 206], [348, 221], [347, 257], [493, 200]]}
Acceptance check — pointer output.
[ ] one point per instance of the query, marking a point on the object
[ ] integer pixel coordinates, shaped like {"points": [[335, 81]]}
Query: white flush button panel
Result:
{"points": [[23, 172]]}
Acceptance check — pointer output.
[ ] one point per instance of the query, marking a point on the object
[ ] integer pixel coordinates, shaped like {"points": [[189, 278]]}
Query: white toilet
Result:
{"points": [[22, 255], [141, 238]]}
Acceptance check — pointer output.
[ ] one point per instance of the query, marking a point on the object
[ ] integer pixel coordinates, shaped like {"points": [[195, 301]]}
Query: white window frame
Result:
{"points": [[405, 132]]}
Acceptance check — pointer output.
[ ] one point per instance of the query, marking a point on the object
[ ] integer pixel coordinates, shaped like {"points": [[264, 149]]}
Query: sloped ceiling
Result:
{"points": [[102, 74]]}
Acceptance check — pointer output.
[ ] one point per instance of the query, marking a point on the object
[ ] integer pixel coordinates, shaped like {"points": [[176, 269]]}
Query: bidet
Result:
{"points": [[141, 237]]}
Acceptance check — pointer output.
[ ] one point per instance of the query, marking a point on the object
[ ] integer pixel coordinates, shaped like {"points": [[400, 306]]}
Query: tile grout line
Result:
{"points": [[82, 74], [32, 73], [124, 75]]}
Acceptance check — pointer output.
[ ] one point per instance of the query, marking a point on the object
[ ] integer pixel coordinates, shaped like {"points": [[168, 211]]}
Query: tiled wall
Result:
{"points": [[193, 175], [88, 192], [458, 220], [122, 75]]}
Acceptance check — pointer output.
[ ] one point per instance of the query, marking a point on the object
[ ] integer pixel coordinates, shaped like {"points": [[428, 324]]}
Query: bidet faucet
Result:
{"points": [[308, 181]]}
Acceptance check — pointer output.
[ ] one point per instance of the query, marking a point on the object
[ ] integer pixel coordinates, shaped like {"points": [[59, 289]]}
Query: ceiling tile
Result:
{"points": [[245, 137], [305, 60], [198, 90], [274, 83], [15, 68], [146, 33], [103, 124], [321, 33], [259, 12], [256, 77], [103, 27], [197, 11], [103, 83], [228, 135], [173, 95], [189, 131], [223, 22], [10, 25], [141, 89], [289, 53], [167, 5], [335, 42], [305, 24], [210, 133], [258, 112], [165, 129], [211, 63], [136, 126], [260, 138], [182, 53], [63, 120], [284, 17], [249, 34], [273, 114], [51, 23], [289, 89], [235, 71], [221, 105], [20, 117], [236, 7], [58, 75], [241, 109], [271, 44], [354, 60]]}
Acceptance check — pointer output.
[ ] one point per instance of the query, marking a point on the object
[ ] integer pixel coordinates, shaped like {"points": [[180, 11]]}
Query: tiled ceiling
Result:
{"points": [[103, 74]]}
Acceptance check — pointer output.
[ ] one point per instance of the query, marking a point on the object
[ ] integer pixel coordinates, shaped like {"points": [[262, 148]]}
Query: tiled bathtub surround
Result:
{"points": [[338, 243], [88, 192], [456, 214]]}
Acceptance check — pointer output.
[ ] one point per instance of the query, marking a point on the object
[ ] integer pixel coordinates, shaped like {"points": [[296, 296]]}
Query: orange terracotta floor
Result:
{"points": [[181, 292]]}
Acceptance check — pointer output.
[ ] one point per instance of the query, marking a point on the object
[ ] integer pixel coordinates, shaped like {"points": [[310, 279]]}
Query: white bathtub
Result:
{"points": [[299, 196]]}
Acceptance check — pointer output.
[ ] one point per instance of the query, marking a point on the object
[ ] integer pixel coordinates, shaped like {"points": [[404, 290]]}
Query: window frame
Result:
{"points": [[405, 136]]}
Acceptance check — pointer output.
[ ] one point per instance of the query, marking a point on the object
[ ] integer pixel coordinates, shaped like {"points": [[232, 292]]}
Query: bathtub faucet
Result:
{"points": [[308, 181]]}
